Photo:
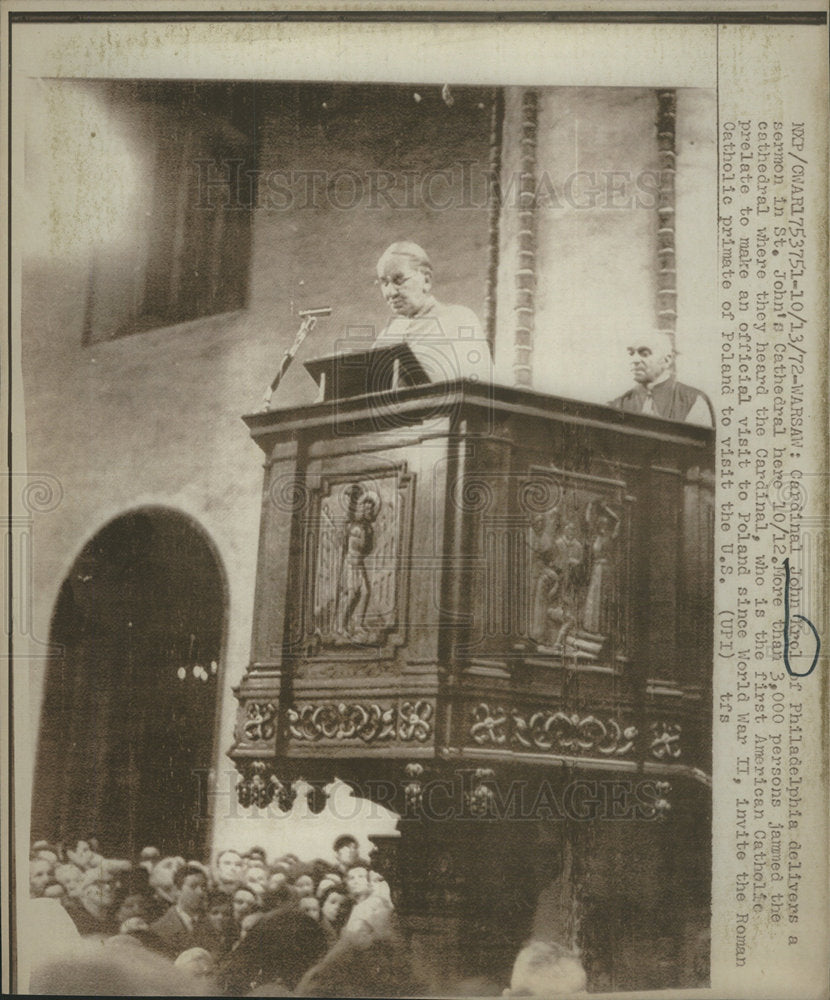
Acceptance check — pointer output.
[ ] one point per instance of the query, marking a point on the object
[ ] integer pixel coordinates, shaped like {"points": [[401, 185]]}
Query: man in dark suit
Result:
{"points": [[181, 926], [656, 391]]}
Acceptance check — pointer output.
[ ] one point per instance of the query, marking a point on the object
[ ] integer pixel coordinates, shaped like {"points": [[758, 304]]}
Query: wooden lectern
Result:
{"points": [[494, 605], [384, 369]]}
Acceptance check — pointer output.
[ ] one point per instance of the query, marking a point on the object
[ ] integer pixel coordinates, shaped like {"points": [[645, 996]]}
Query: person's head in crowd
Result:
{"points": [[196, 962], [70, 877], [40, 875], [191, 885], [651, 355], [285, 866], [244, 902], [256, 877], [96, 893], [120, 871], [256, 854], [83, 856], [319, 868], [330, 881], [346, 850], [404, 274], [149, 857], [229, 868], [219, 911], [276, 880], [277, 899], [292, 864], [378, 886], [132, 906], [357, 882], [162, 877], [545, 969], [45, 852], [311, 906], [334, 907], [304, 885], [370, 918], [133, 888], [204, 869]]}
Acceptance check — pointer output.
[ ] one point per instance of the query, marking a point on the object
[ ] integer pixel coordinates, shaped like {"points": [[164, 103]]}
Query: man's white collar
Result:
{"points": [[660, 379]]}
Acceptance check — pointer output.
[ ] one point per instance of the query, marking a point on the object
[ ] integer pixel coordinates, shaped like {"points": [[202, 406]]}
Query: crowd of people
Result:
{"points": [[242, 924], [246, 925]]}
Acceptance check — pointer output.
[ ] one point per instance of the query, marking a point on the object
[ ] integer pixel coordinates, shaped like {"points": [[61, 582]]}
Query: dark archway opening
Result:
{"points": [[128, 718]]}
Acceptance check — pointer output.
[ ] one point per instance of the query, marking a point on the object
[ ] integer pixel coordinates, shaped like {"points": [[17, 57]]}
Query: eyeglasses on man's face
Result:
{"points": [[395, 280]]}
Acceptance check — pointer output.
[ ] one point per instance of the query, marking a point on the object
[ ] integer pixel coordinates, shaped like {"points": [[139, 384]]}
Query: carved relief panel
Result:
{"points": [[575, 564], [357, 537], [375, 722]]}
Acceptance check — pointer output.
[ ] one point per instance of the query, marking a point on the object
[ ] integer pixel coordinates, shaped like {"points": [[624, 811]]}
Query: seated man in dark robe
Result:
{"points": [[656, 391]]}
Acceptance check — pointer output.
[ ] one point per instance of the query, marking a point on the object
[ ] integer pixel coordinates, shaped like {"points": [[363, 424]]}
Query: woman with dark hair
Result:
{"points": [[335, 907], [218, 931]]}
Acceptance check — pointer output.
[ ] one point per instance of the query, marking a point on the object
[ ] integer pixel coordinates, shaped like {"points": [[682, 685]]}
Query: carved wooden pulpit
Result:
{"points": [[466, 594]]}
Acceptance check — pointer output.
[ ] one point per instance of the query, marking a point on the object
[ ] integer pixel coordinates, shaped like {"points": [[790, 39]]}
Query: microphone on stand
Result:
{"points": [[309, 321]]}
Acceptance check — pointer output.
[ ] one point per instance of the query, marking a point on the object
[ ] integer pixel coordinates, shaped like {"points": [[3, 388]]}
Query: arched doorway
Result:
{"points": [[128, 719]]}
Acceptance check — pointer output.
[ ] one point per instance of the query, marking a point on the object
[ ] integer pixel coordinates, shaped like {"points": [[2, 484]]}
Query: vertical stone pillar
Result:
{"points": [[495, 197], [576, 262], [666, 269], [526, 246]]}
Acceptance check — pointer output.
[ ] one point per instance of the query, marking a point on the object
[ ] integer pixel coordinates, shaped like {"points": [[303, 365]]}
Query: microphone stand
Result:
{"points": [[309, 321]]}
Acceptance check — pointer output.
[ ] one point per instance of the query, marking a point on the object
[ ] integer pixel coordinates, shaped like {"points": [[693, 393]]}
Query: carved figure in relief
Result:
{"points": [[557, 564], [570, 553], [572, 590], [354, 589], [568, 560], [545, 578], [600, 593]]}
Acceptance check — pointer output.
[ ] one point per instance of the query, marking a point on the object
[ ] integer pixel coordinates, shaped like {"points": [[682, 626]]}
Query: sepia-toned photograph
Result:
{"points": [[366, 524]]}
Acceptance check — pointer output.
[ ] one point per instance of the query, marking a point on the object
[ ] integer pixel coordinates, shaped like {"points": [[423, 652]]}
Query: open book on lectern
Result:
{"points": [[381, 369]]}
